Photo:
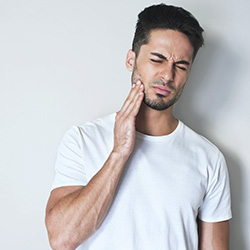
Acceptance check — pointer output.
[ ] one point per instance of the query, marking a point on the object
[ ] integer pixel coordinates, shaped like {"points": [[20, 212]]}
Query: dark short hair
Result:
{"points": [[164, 16]]}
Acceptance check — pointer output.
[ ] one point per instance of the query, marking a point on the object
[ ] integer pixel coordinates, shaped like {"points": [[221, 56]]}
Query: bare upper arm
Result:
{"points": [[213, 235], [59, 193]]}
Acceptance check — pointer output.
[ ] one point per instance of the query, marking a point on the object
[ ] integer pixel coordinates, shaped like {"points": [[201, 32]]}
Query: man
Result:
{"points": [[141, 179]]}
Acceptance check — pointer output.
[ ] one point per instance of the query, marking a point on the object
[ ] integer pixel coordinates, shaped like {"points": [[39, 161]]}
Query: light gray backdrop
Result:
{"points": [[63, 63]]}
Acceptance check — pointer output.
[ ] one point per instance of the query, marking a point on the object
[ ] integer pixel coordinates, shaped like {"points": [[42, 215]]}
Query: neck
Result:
{"points": [[155, 123]]}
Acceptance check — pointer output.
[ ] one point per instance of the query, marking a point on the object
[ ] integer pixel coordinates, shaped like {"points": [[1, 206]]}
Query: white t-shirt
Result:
{"points": [[167, 182]]}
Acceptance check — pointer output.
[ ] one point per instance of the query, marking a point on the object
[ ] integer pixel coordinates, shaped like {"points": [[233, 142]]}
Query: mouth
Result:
{"points": [[162, 90]]}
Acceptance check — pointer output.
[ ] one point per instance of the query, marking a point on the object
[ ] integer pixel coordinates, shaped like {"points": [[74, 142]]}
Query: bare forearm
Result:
{"points": [[214, 236], [75, 217]]}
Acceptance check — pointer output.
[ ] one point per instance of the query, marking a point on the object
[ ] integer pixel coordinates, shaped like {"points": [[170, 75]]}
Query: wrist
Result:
{"points": [[117, 156]]}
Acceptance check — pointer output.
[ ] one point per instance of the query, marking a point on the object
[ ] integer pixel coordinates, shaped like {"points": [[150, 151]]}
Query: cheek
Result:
{"points": [[138, 74], [182, 76], [146, 73], [181, 80], [136, 77]]}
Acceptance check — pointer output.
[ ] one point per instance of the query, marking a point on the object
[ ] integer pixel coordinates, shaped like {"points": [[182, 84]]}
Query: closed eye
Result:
{"points": [[176, 64], [181, 63], [157, 61], [182, 68]]}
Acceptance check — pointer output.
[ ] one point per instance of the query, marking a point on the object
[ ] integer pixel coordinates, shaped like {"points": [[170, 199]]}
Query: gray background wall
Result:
{"points": [[63, 63]]}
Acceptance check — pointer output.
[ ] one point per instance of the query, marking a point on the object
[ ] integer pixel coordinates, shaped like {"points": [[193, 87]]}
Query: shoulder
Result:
{"points": [[100, 125], [105, 123], [93, 133], [98, 130], [198, 143]]}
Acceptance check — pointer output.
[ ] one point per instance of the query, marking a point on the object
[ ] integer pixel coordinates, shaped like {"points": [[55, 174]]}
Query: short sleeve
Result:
{"points": [[217, 201], [69, 167]]}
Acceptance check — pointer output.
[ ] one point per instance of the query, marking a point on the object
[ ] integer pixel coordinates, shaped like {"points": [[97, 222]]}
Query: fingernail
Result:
{"points": [[133, 85], [141, 86], [138, 82]]}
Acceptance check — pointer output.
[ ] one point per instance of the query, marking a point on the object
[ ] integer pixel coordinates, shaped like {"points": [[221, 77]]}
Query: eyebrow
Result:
{"points": [[165, 58]]}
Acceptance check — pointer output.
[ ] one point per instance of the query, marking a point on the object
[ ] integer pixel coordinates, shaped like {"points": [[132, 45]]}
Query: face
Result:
{"points": [[163, 66]]}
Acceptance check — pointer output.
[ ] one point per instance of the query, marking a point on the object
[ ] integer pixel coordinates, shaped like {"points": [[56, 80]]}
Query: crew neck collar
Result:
{"points": [[162, 137]]}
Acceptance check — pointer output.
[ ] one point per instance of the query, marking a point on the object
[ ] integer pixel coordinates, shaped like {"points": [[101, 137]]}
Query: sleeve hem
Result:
{"points": [[211, 220], [67, 185]]}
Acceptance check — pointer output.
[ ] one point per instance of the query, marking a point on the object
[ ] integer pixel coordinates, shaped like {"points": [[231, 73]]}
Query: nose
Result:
{"points": [[167, 72]]}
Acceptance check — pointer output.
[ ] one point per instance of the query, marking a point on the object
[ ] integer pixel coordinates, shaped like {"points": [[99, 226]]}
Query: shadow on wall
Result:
{"points": [[206, 98]]}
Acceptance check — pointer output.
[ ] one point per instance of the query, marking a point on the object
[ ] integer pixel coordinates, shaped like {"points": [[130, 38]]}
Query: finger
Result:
{"points": [[134, 106], [131, 97], [138, 104], [128, 111], [134, 90]]}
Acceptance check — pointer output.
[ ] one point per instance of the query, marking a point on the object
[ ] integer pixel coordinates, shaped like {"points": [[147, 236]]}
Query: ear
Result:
{"points": [[130, 60]]}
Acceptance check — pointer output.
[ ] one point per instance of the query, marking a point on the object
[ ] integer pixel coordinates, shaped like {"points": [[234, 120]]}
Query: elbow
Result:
{"points": [[60, 239], [57, 244], [62, 242]]}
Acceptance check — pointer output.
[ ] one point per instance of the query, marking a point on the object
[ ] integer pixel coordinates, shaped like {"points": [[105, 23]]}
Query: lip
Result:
{"points": [[162, 90]]}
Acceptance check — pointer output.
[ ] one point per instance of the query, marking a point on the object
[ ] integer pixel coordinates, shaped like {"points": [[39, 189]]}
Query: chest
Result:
{"points": [[164, 180]]}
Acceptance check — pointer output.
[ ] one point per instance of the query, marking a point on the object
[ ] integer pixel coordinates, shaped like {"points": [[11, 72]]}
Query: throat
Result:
{"points": [[154, 122]]}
